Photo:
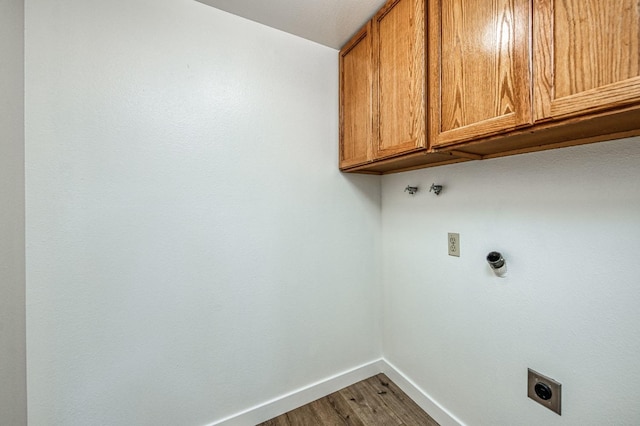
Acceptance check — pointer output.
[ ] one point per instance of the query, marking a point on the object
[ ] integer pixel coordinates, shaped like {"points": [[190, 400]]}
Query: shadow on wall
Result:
{"points": [[368, 186]]}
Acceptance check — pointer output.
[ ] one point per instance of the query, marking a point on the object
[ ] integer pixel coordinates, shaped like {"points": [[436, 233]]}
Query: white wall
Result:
{"points": [[13, 399], [568, 224], [192, 248]]}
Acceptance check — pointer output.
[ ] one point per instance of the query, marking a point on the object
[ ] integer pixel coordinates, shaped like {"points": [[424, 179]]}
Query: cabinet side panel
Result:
{"points": [[356, 101], [596, 43]]}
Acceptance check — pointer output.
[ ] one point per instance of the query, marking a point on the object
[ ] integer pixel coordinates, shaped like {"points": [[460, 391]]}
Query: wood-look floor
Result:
{"points": [[371, 402]]}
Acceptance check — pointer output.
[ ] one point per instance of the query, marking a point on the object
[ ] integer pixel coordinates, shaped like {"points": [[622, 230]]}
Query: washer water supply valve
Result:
{"points": [[436, 188], [411, 189]]}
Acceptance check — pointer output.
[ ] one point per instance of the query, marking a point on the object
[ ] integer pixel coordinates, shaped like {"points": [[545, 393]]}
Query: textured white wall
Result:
{"points": [[192, 248], [193, 251], [13, 398], [568, 224]]}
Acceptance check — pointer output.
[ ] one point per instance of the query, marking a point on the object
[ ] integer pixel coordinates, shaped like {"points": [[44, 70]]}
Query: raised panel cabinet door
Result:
{"points": [[480, 75], [356, 100], [586, 56], [399, 78]]}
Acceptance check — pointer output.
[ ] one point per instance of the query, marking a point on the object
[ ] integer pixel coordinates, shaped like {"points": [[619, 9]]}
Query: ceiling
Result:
{"points": [[328, 22]]}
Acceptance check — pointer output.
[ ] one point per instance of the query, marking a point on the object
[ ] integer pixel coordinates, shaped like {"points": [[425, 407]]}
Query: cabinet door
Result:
{"points": [[356, 100], [586, 56], [480, 74], [399, 78]]}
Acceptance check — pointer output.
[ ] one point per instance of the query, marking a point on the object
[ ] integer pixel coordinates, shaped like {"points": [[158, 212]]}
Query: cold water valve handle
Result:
{"points": [[411, 189]]}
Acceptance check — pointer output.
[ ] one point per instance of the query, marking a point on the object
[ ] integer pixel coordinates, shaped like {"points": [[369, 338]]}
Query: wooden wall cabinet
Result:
{"points": [[499, 77], [481, 78], [399, 84], [356, 100], [383, 93], [586, 56], [494, 93]]}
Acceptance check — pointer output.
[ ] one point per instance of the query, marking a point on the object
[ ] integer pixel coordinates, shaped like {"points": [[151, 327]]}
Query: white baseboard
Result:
{"points": [[428, 404], [300, 397]]}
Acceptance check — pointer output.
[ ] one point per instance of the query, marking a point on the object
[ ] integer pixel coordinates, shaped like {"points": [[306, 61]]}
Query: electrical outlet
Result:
{"points": [[454, 244], [544, 390]]}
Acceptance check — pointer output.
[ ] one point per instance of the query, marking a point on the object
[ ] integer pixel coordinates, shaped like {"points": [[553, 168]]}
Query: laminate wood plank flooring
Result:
{"points": [[372, 402]]}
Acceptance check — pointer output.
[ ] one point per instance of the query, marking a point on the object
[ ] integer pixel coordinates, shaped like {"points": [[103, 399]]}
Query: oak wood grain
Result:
{"points": [[586, 56], [405, 162], [399, 78], [504, 77], [356, 101], [481, 80], [577, 130]]}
